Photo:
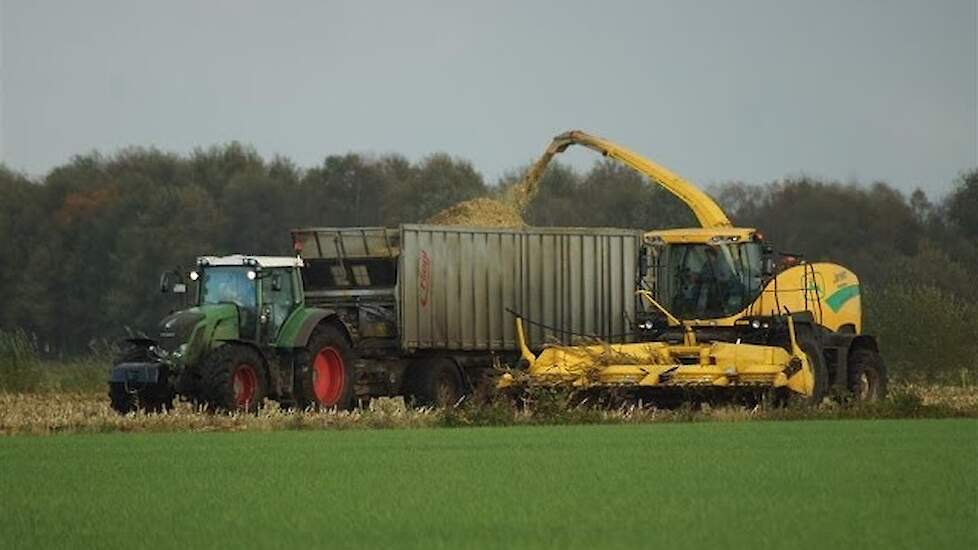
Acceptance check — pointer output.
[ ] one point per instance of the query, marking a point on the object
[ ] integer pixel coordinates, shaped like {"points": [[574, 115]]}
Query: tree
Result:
{"points": [[438, 182], [962, 204]]}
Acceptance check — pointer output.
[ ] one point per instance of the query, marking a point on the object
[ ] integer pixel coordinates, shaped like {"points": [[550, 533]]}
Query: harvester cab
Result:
{"points": [[718, 311]]}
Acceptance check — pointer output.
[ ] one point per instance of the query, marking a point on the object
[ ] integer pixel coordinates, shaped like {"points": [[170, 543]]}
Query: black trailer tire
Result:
{"points": [[152, 398], [233, 378], [434, 382], [328, 379], [867, 375]]}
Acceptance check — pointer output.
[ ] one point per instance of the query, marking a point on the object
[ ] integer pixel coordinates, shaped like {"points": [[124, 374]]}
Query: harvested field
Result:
{"points": [[870, 484], [57, 412]]}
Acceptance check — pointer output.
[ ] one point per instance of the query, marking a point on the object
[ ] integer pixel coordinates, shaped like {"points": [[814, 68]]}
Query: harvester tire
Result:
{"points": [[867, 375], [233, 378], [820, 371], [153, 398], [433, 382], [329, 380]]}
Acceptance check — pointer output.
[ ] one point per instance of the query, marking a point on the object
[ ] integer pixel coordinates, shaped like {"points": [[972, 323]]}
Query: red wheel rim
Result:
{"points": [[245, 383], [327, 376]]}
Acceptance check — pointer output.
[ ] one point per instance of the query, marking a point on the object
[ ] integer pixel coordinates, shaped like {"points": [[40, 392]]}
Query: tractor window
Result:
{"points": [[713, 280], [228, 285], [277, 294]]}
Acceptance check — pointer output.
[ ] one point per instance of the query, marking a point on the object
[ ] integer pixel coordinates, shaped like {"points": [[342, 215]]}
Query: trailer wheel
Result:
{"points": [[233, 379], [867, 375], [434, 383], [328, 381], [153, 398]]}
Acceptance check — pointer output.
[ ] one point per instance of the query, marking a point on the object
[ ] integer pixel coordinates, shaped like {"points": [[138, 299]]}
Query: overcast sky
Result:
{"points": [[747, 90]]}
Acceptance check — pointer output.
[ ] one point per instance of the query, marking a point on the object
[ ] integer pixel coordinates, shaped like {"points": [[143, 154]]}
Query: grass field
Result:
{"points": [[816, 484]]}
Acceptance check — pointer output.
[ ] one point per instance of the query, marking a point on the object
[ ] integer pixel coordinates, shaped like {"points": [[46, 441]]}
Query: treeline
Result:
{"points": [[82, 248]]}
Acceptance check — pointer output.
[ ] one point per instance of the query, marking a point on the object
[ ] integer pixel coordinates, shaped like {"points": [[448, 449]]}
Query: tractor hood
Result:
{"points": [[177, 328], [188, 332]]}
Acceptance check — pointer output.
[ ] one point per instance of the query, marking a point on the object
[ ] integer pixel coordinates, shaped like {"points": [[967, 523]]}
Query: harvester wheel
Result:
{"points": [[867, 375], [233, 379], [433, 383], [815, 358], [329, 380], [153, 398]]}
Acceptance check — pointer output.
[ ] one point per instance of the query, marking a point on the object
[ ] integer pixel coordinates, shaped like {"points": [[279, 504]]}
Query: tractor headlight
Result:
{"points": [[755, 324], [194, 275], [252, 275]]}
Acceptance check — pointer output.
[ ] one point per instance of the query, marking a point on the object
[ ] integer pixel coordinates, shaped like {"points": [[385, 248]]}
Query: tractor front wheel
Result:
{"points": [[233, 379]]}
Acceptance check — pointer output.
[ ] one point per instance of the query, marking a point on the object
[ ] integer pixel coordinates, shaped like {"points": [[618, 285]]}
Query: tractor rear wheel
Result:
{"points": [[434, 383], [233, 378], [329, 379], [867, 375], [152, 398]]}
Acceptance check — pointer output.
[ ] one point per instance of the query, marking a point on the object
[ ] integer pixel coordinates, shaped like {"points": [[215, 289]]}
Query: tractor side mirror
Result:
{"points": [[276, 282], [172, 282]]}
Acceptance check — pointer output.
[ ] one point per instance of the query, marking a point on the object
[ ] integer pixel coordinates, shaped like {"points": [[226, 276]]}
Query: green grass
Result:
{"points": [[883, 484]]}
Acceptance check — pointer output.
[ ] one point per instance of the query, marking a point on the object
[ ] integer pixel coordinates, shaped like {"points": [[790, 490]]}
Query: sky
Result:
{"points": [[718, 91]]}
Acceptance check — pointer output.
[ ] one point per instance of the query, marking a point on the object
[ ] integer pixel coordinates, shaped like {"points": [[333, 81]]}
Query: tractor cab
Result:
{"points": [[264, 290]]}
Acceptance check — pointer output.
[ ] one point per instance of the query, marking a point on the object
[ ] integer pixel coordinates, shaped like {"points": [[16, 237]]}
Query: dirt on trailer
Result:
{"points": [[481, 212]]}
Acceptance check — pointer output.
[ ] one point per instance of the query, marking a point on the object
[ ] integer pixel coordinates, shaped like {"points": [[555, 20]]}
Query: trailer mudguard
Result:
{"points": [[298, 327]]}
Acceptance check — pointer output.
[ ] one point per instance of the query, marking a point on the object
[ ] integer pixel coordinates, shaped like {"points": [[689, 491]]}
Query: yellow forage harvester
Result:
{"points": [[719, 309]]}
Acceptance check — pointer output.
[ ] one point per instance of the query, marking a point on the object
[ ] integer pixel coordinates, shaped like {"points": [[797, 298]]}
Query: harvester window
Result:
{"points": [[715, 280]]}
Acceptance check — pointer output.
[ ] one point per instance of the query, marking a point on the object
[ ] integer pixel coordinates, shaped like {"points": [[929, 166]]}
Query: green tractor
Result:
{"points": [[249, 335]]}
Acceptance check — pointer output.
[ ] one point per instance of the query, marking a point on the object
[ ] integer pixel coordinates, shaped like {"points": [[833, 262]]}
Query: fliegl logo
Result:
{"points": [[424, 278]]}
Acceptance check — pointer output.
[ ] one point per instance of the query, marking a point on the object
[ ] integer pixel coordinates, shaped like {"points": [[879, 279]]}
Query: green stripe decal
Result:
{"points": [[841, 296]]}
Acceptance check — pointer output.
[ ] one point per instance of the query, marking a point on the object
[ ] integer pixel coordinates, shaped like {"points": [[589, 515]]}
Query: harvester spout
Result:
{"points": [[706, 210]]}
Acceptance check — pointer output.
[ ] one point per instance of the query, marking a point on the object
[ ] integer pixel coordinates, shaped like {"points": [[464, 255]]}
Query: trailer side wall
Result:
{"points": [[457, 286]]}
